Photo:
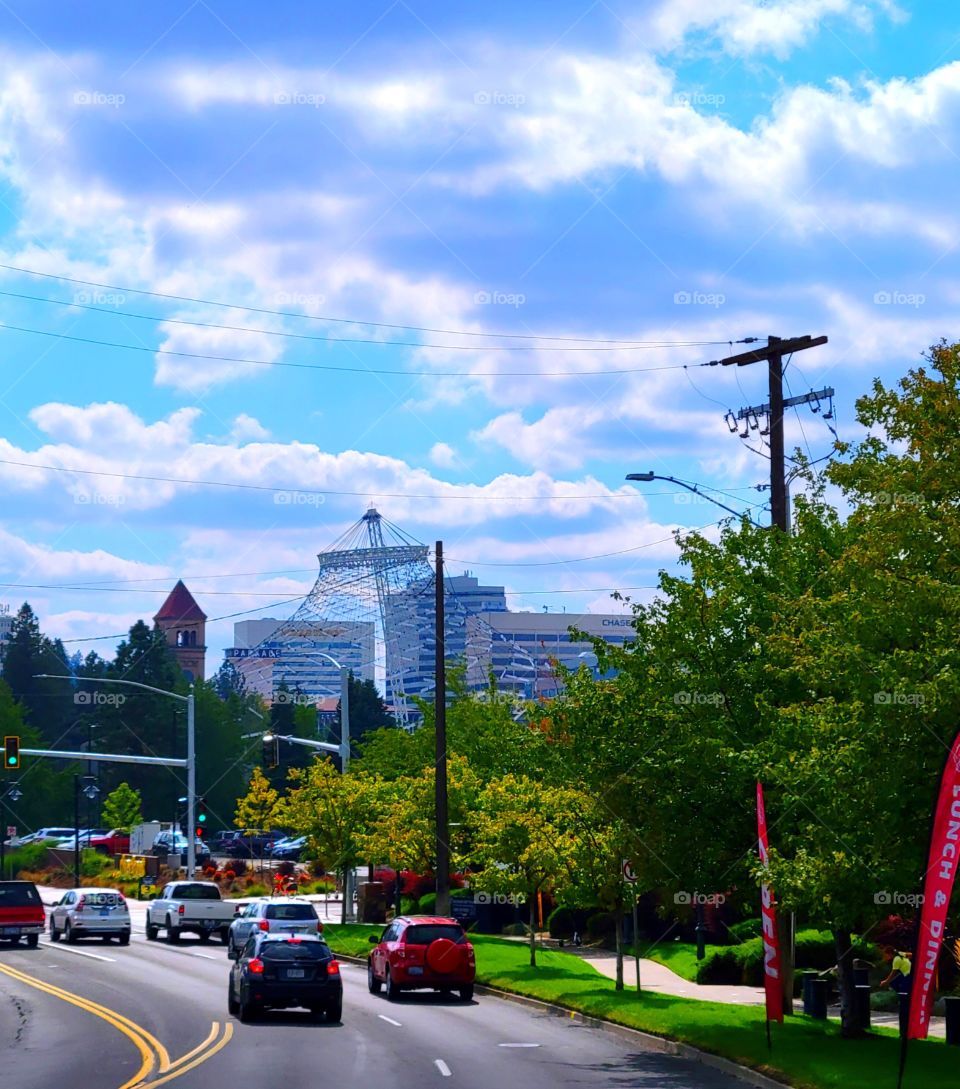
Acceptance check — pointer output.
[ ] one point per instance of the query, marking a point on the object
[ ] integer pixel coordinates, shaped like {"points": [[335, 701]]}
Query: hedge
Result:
{"points": [[736, 964]]}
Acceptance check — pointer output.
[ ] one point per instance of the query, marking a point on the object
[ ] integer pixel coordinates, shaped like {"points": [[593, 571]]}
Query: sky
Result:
{"points": [[263, 266]]}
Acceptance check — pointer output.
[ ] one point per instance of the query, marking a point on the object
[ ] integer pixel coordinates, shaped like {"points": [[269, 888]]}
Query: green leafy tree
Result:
{"points": [[258, 809], [122, 808]]}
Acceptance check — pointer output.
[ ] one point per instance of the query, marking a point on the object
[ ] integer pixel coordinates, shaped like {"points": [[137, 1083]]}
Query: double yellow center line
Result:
{"points": [[155, 1059]]}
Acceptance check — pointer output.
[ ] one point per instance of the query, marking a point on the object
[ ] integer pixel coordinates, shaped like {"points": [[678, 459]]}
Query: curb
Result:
{"points": [[651, 1042]]}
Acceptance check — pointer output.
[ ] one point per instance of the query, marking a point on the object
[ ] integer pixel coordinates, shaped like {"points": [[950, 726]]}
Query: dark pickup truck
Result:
{"points": [[21, 913]]}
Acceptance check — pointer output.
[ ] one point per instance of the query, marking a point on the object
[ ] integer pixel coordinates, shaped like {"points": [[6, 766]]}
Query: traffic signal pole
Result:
{"points": [[440, 777]]}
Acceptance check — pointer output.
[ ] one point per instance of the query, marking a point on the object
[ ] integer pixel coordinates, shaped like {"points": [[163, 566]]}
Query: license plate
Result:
{"points": [[104, 911], [209, 923], [9, 930], [295, 973], [415, 971]]}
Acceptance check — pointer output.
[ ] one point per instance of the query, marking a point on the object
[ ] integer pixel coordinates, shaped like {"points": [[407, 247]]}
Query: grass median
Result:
{"points": [[806, 1053]]}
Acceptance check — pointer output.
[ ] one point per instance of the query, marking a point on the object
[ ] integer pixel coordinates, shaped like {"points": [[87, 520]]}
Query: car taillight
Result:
{"points": [[255, 966], [333, 968], [264, 924], [180, 909]]}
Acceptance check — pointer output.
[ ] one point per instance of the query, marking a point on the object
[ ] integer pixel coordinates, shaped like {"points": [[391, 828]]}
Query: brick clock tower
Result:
{"points": [[183, 622]]}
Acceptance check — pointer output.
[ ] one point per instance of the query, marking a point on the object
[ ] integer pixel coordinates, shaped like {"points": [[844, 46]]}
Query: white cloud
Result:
{"points": [[443, 455], [246, 429]]}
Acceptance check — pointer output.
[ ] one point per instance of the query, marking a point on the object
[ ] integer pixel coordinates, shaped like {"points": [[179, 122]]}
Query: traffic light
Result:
{"points": [[271, 754], [11, 752], [201, 816]]}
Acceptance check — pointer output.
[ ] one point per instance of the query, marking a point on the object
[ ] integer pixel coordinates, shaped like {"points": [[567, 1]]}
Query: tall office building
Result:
{"points": [[411, 627], [298, 659], [6, 628], [519, 649]]}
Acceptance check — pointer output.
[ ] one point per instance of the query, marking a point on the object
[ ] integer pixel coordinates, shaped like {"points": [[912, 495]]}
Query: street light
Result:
{"points": [[91, 790], [690, 488], [191, 741]]}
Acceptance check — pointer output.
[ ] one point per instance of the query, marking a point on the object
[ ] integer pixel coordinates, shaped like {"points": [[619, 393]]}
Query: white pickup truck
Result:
{"points": [[190, 907]]}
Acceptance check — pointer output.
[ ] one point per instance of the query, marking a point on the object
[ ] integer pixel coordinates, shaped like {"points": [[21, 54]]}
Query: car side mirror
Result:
{"points": [[373, 939]]}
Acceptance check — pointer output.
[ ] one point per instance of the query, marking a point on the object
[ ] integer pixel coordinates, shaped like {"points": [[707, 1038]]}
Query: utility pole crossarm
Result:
{"points": [[783, 347]]}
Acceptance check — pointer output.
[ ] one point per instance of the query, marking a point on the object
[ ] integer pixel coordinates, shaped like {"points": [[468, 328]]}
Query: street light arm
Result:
{"points": [[110, 680], [690, 488], [326, 745]]}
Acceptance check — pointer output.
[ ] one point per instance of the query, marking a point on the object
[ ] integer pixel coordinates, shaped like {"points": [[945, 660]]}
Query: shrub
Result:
{"points": [[563, 921], [93, 864], [516, 930], [601, 926], [286, 868], [723, 965], [256, 889], [735, 964], [744, 931], [407, 906], [30, 856], [427, 904]]}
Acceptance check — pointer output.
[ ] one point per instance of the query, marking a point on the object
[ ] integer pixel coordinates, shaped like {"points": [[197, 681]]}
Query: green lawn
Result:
{"points": [[807, 1053], [679, 957]]}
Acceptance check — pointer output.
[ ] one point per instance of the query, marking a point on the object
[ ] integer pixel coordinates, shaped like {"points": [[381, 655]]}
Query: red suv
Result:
{"points": [[21, 912], [418, 951]]}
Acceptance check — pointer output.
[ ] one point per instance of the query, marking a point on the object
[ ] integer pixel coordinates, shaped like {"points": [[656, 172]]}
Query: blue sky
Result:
{"points": [[663, 173]]}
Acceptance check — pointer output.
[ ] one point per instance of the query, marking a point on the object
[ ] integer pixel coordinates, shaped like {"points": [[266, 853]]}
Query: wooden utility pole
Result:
{"points": [[774, 352], [440, 717]]}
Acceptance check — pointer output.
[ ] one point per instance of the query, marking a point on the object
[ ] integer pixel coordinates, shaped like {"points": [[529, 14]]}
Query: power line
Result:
{"points": [[318, 317], [324, 491], [209, 357]]}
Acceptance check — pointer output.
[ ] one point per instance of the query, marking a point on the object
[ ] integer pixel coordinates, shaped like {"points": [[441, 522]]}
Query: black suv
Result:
{"points": [[278, 971]]}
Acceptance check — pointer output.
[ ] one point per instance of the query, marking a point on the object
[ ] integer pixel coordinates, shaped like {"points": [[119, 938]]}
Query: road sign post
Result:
{"points": [[629, 875]]}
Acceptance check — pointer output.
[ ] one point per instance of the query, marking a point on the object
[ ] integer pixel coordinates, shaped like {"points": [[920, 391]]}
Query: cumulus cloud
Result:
{"points": [[443, 455]]}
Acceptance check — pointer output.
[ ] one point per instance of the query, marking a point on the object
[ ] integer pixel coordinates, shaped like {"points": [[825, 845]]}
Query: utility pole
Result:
{"points": [[774, 352], [440, 715]]}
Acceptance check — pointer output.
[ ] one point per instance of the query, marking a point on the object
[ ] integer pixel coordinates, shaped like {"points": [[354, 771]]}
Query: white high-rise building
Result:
{"points": [[6, 628], [520, 649], [411, 624], [298, 661]]}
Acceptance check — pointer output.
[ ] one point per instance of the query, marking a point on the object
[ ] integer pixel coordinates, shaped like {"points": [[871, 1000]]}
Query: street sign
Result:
{"points": [[626, 868]]}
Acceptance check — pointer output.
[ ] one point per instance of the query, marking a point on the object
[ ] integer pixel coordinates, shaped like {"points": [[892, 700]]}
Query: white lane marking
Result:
{"points": [[206, 956], [518, 1045], [389, 1020], [443, 1068], [80, 953]]}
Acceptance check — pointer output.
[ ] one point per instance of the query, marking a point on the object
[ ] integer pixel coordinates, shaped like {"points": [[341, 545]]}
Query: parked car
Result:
{"points": [[419, 951], [279, 971], [175, 843], [190, 907], [273, 915], [85, 837], [21, 912], [55, 833], [115, 842], [251, 846], [288, 850], [90, 913], [218, 845]]}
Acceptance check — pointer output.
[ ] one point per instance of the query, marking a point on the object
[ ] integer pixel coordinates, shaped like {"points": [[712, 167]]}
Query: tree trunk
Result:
{"points": [[618, 937], [785, 922], [533, 930], [849, 1028], [343, 906]]}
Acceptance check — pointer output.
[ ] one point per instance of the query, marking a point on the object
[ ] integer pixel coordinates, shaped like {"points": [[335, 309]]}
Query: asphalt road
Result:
{"points": [[157, 1014]]}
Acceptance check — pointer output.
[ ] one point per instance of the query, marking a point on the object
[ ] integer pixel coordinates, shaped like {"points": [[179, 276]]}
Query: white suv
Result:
{"points": [[82, 913], [273, 915]]}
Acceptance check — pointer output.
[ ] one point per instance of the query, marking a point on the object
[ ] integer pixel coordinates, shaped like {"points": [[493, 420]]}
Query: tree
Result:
{"points": [[525, 841], [122, 808], [257, 810], [368, 712]]}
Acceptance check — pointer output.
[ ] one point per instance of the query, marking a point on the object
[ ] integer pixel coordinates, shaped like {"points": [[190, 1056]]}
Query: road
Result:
{"points": [[115, 1017]]}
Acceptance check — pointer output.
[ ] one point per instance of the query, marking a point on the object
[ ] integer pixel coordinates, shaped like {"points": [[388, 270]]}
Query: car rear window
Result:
{"points": [[18, 894], [295, 951], [425, 933], [196, 892], [102, 899], [291, 911]]}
